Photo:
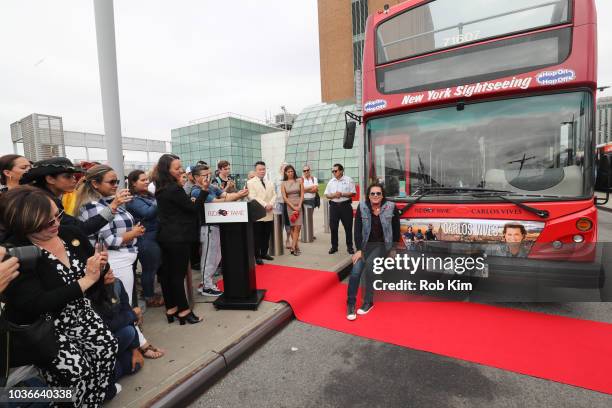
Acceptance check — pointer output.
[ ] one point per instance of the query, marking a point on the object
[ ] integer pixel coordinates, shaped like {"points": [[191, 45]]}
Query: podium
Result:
{"points": [[235, 220]]}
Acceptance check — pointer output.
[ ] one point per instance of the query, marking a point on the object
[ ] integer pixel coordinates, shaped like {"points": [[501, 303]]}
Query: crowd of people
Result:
{"points": [[91, 231]]}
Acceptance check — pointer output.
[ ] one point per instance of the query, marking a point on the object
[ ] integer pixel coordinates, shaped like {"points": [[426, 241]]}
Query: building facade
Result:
{"points": [[42, 136], [138, 154], [316, 139], [341, 35], [224, 137], [603, 120]]}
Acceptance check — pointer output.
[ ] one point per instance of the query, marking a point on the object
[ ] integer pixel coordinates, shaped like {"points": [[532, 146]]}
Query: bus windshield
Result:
{"points": [[531, 146], [447, 23]]}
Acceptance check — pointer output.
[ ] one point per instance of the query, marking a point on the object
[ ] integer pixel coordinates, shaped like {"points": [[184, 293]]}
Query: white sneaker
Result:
{"points": [[350, 312], [118, 388], [365, 308]]}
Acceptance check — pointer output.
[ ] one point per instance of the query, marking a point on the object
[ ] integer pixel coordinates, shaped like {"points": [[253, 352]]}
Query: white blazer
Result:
{"points": [[263, 196]]}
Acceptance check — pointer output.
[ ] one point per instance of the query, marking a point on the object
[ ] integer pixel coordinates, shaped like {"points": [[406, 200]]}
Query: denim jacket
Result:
{"points": [[387, 211], [144, 210]]}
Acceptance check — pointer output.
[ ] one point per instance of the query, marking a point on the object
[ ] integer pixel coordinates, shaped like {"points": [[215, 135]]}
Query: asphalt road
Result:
{"points": [[308, 366]]}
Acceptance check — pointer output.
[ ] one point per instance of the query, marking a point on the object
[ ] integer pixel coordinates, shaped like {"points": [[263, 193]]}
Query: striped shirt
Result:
{"points": [[111, 232]]}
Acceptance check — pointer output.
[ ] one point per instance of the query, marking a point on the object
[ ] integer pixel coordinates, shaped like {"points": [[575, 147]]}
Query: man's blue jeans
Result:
{"points": [[366, 264]]}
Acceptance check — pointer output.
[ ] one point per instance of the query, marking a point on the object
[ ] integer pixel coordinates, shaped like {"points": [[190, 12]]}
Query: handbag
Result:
{"points": [[21, 345], [317, 200], [294, 216]]}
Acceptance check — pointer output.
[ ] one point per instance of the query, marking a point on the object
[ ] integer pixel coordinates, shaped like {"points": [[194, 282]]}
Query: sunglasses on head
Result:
{"points": [[56, 218], [375, 193]]}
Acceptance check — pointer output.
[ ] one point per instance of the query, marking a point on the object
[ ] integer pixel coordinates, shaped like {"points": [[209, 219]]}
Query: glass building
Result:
{"points": [[227, 137], [316, 139]]}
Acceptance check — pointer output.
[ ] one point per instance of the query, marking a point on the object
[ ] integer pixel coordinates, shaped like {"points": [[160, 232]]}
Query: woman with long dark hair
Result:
{"points": [[12, 168], [67, 268], [293, 195], [178, 230], [377, 228], [143, 208]]}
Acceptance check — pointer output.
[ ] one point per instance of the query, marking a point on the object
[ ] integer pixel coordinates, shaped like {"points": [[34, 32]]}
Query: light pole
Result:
{"points": [[285, 123], [284, 116], [109, 85]]}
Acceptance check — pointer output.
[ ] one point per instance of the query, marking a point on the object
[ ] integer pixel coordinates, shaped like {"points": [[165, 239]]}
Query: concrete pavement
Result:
{"points": [[197, 353]]}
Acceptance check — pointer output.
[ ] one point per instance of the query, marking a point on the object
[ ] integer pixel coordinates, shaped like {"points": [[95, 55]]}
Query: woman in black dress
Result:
{"points": [[178, 230], [66, 269]]}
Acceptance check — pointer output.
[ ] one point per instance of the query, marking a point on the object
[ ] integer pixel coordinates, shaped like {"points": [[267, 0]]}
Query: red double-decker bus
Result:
{"points": [[478, 117]]}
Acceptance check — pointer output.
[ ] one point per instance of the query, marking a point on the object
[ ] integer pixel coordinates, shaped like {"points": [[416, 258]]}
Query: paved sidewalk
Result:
{"points": [[209, 346]]}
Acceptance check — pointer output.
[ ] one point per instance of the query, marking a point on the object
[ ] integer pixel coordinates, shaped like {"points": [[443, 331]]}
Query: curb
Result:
{"points": [[194, 384], [191, 386], [603, 208]]}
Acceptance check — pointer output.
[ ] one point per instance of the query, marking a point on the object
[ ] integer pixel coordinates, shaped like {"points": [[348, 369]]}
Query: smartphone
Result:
{"points": [[100, 245]]}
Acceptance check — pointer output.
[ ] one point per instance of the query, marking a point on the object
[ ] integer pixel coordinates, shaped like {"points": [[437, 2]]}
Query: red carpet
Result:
{"points": [[566, 350]]}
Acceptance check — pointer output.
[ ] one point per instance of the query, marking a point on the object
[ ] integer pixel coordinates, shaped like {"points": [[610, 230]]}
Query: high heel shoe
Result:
{"points": [[190, 318], [171, 317]]}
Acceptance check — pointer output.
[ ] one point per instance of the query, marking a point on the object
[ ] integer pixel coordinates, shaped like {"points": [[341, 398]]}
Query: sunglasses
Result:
{"points": [[335, 171], [375, 193], [56, 218], [306, 171], [114, 182], [67, 175]]}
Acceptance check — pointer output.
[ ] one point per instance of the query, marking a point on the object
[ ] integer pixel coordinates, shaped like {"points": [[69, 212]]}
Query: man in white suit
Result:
{"points": [[262, 191]]}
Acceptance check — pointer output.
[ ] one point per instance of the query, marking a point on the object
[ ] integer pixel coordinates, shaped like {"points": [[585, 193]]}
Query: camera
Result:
{"points": [[27, 255]]}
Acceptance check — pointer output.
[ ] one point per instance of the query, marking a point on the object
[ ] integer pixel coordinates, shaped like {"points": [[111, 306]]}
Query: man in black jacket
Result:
{"points": [[57, 177]]}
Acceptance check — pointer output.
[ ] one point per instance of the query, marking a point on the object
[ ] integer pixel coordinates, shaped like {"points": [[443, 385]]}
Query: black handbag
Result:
{"points": [[21, 345], [317, 200]]}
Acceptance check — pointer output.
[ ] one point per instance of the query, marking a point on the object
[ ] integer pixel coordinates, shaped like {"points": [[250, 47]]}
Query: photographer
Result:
{"points": [[224, 180], [8, 270], [24, 375], [57, 176], [95, 197], [85, 351]]}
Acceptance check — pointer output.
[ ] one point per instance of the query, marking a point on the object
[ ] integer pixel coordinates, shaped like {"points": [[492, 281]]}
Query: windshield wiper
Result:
{"points": [[533, 210]]}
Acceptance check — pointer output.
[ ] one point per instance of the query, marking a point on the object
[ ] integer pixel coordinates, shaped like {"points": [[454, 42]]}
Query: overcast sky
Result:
{"points": [[177, 61]]}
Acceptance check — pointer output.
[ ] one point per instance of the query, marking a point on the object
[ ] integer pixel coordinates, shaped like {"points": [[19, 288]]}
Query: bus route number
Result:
{"points": [[461, 38]]}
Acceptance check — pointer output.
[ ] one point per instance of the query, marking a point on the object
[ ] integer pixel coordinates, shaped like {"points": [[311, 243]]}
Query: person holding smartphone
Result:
{"points": [[210, 237], [67, 268], [120, 234], [57, 176], [144, 209]]}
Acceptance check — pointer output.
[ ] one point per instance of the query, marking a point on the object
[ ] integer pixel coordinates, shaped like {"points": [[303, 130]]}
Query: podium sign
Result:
{"points": [[217, 213], [237, 253]]}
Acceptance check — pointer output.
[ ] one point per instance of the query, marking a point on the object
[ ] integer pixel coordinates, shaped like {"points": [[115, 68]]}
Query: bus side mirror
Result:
{"points": [[349, 135]]}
